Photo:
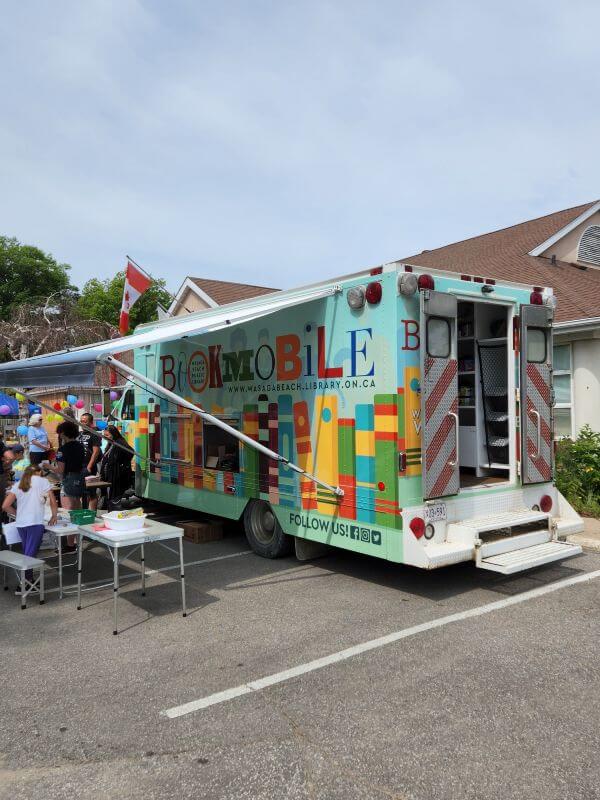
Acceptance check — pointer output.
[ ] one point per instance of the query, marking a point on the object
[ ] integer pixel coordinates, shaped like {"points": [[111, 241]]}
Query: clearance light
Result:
{"points": [[356, 297], [417, 526], [429, 531], [546, 503], [407, 284], [426, 282], [536, 299], [373, 293], [551, 301]]}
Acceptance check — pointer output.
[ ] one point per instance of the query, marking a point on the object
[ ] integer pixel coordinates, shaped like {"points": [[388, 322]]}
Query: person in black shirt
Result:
{"points": [[91, 445], [115, 466], [70, 462]]}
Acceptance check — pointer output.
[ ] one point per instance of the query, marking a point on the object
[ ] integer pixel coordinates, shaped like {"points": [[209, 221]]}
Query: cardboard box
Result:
{"points": [[199, 532]]}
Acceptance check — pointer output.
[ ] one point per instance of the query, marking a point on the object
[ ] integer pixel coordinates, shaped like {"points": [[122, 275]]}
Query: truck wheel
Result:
{"points": [[263, 531]]}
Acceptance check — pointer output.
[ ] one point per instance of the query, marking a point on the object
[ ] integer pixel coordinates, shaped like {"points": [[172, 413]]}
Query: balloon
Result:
{"points": [[20, 397], [79, 404], [101, 425], [64, 404], [57, 406], [4, 409], [98, 407], [22, 430], [114, 395], [71, 399]]}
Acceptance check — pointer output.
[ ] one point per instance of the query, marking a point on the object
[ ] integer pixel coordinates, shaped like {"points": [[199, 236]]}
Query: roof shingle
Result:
{"points": [[223, 292], [504, 255]]}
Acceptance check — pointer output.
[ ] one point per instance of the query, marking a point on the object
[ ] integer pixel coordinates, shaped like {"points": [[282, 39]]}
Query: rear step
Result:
{"points": [[529, 557]]}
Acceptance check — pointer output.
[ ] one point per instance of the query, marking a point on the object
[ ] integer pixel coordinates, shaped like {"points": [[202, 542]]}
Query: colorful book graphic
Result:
{"points": [[249, 464], [326, 451], [412, 420], [346, 463], [288, 480], [273, 445], [365, 463], [305, 455], [386, 457], [263, 438]]}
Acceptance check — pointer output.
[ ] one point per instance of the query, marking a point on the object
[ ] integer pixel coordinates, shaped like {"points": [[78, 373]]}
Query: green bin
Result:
{"points": [[82, 516]]}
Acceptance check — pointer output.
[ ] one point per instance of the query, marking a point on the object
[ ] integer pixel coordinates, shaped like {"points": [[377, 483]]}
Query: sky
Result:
{"points": [[280, 143]]}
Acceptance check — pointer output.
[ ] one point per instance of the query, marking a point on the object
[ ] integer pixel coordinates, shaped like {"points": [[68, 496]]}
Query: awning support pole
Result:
{"points": [[180, 401]]}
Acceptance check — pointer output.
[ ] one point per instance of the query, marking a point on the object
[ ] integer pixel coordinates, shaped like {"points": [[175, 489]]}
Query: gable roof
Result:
{"points": [[504, 254], [223, 292]]}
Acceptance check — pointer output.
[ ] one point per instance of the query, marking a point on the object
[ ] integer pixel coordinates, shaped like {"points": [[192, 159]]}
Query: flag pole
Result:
{"points": [[148, 275]]}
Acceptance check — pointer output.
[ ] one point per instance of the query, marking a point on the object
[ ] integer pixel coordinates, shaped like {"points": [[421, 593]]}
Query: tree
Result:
{"points": [[102, 300], [54, 325], [28, 276]]}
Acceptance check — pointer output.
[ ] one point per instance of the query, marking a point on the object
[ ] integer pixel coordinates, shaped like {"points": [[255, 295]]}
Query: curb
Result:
{"points": [[588, 543]]}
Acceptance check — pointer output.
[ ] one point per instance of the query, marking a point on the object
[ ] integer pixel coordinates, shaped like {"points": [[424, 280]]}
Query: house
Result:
{"points": [[561, 250], [197, 294]]}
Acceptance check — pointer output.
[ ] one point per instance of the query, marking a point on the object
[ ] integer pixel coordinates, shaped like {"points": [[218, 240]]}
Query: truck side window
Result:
{"points": [[438, 337], [128, 406], [221, 448], [536, 345]]}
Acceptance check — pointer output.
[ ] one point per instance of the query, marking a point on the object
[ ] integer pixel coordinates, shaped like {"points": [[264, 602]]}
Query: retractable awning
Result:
{"points": [[76, 367]]}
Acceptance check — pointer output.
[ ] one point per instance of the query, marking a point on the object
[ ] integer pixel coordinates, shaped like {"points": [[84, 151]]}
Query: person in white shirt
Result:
{"points": [[30, 495]]}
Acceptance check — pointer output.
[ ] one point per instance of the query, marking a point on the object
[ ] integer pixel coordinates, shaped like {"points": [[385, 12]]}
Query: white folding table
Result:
{"points": [[117, 543]]}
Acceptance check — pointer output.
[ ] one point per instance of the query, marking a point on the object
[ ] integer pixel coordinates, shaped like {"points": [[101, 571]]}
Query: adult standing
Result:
{"points": [[39, 444], [70, 462], [92, 451], [115, 466]]}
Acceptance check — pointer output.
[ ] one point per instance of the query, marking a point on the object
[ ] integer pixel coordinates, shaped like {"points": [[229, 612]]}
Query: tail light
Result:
{"points": [[546, 503], [536, 299], [426, 282], [417, 526], [373, 293]]}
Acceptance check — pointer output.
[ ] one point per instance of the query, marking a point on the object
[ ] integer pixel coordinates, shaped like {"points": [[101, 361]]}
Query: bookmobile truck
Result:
{"points": [[396, 413]]}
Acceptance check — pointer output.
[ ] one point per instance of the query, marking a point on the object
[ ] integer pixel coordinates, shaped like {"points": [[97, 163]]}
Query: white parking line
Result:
{"points": [[373, 644]]}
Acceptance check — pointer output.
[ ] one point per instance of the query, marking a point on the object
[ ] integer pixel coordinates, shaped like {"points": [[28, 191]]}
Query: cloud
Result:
{"points": [[278, 143]]}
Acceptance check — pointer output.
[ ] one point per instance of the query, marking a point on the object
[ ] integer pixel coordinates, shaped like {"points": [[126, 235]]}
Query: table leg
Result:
{"points": [[79, 559], [42, 569], [183, 607], [115, 589], [23, 590], [60, 579], [143, 563]]}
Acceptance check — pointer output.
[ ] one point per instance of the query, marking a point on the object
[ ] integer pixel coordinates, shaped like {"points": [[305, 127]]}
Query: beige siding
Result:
{"points": [[189, 303], [566, 248], [586, 383]]}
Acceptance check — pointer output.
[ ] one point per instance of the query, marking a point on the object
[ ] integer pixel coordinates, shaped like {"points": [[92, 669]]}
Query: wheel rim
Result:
{"points": [[263, 523]]}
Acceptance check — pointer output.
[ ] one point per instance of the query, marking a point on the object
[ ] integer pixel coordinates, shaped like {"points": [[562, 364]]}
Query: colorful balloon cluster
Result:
{"points": [[4, 409], [22, 430]]}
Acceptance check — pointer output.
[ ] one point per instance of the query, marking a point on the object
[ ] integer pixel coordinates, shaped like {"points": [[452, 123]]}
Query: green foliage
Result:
{"points": [[578, 471], [28, 275], [102, 300]]}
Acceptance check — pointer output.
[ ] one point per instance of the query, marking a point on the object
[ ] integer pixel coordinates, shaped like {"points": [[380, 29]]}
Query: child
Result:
{"points": [[30, 495]]}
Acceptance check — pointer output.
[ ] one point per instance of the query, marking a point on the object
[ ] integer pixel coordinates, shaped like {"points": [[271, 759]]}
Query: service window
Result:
{"points": [[536, 345], [438, 337], [221, 448]]}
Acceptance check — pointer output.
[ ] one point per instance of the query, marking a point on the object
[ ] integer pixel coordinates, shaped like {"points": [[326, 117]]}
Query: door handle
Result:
{"points": [[539, 431], [455, 418]]}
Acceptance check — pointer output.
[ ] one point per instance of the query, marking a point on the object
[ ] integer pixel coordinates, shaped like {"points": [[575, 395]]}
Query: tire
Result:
{"points": [[263, 532]]}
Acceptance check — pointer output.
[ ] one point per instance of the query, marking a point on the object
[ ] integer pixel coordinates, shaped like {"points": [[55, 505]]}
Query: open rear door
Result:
{"points": [[439, 394], [536, 394]]}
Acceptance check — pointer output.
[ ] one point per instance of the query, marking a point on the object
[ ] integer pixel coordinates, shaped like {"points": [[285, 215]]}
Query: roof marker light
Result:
{"points": [[376, 271], [373, 293], [536, 299], [426, 282], [356, 297], [407, 283]]}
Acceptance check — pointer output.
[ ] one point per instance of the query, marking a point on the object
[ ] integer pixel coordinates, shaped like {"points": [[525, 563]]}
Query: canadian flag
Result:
{"points": [[136, 283]]}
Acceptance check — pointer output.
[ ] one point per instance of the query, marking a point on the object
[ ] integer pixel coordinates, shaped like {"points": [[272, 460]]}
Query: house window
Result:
{"points": [[563, 392], [589, 245]]}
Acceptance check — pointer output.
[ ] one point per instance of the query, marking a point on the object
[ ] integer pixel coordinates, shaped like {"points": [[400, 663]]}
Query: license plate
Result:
{"points": [[434, 512]]}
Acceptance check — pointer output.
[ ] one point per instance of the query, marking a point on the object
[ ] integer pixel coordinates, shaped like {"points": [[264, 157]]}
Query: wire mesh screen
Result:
{"points": [[493, 365]]}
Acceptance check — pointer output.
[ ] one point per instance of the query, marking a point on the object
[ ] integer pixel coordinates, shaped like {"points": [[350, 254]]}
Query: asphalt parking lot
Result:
{"points": [[500, 704]]}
